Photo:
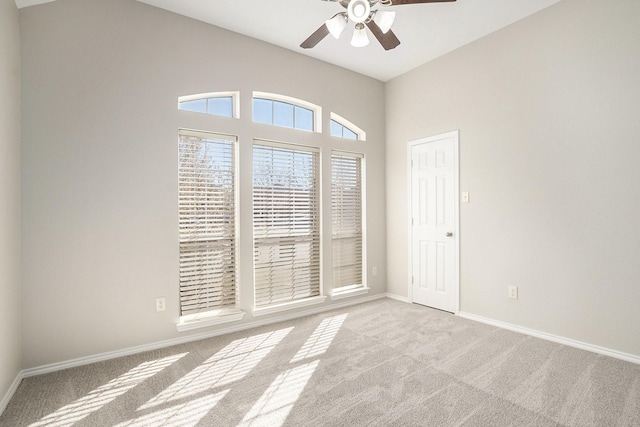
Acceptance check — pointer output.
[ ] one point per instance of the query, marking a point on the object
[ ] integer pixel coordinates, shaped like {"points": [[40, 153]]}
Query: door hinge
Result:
{"points": [[412, 280], [411, 221]]}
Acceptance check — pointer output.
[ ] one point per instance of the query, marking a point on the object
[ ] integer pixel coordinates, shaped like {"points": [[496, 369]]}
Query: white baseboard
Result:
{"points": [[9, 394], [554, 338], [40, 370], [397, 297]]}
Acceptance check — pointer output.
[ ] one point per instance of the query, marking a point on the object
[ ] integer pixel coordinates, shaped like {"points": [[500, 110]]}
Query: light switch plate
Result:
{"points": [[465, 197]]}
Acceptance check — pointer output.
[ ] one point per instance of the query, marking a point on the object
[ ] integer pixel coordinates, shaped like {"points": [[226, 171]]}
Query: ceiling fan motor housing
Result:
{"points": [[359, 10]]}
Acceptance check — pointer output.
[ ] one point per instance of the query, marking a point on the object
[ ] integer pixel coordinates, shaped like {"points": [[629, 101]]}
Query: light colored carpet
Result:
{"points": [[383, 363]]}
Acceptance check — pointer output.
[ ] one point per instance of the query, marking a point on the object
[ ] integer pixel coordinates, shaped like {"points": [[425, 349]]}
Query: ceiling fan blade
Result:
{"points": [[316, 37], [401, 2], [388, 41]]}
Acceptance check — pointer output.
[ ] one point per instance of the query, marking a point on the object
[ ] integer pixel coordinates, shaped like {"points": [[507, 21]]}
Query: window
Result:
{"points": [[286, 223], [287, 241], [284, 111], [224, 104], [342, 128], [207, 213], [342, 132], [346, 219]]}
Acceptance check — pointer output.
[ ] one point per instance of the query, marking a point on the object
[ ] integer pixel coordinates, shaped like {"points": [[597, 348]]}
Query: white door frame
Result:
{"points": [[456, 189]]}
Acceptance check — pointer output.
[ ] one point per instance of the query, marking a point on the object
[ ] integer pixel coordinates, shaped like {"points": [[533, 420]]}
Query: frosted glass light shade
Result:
{"points": [[336, 25], [360, 38], [385, 19]]}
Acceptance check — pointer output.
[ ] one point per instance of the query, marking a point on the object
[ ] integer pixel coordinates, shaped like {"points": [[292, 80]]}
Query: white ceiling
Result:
{"points": [[426, 31]]}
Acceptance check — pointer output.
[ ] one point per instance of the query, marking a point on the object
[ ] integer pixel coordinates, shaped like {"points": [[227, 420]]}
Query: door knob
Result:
{"points": [[449, 234]]}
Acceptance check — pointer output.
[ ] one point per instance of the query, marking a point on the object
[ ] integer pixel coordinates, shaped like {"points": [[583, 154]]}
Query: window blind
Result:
{"points": [[346, 219], [286, 223], [206, 211]]}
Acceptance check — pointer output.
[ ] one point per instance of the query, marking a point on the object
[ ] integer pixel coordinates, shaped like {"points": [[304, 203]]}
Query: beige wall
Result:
{"points": [[101, 80], [9, 195], [548, 114], [547, 111]]}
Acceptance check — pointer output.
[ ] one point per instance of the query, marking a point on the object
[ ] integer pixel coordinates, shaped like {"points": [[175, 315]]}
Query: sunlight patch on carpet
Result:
{"points": [[70, 414], [318, 343], [187, 414], [276, 402], [228, 365]]}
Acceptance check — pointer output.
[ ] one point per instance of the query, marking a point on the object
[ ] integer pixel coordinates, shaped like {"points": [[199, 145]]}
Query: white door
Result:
{"points": [[434, 222]]}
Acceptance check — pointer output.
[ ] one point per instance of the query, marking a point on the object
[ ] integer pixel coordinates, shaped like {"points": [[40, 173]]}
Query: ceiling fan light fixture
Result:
{"points": [[385, 20], [360, 38], [359, 10], [336, 25]]}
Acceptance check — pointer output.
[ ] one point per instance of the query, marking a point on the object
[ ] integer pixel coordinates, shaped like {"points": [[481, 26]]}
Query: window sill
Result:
{"points": [[209, 319], [288, 306], [347, 293]]}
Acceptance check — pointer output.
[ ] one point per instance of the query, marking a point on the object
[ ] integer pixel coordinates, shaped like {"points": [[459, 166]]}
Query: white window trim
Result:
{"points": [[317, 110], [362, 135], [235, 100], [209, 134], [349, 291], [286, 145], [263, 311], [210, 318]]}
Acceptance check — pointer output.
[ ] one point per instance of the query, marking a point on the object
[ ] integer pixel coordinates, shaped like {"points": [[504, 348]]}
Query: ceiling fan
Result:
{"points": [[363, 13]]}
